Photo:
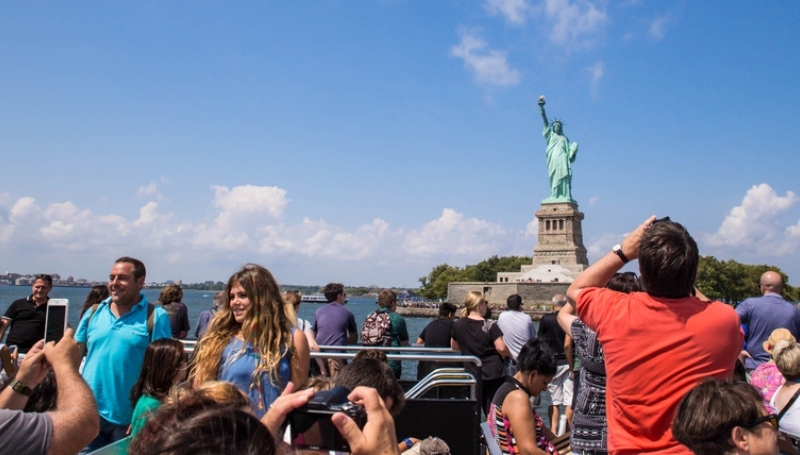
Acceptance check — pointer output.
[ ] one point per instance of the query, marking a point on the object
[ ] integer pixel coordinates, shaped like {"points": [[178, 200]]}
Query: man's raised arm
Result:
{"points": [[598, 274], [76, 420]]}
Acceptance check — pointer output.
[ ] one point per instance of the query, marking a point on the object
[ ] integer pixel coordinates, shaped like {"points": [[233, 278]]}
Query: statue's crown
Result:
{"points": [[557, 120]]}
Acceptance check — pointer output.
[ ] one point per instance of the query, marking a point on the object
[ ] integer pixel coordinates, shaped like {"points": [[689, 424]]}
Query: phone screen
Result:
{"points": [[56, 322]]}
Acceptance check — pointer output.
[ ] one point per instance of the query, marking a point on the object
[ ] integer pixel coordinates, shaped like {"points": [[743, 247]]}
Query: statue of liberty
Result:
{"points": [[560, 156]]}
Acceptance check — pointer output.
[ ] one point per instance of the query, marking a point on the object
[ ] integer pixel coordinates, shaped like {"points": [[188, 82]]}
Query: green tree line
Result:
{"points": [[731, 281], [727, 281], [434, 285]]}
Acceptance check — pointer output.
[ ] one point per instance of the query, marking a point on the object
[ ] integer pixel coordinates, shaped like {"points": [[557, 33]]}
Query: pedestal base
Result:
{"points": [[560, 238]]}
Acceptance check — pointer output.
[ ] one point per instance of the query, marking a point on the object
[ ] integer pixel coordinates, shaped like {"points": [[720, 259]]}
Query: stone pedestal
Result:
{"points": [[560, 239]]}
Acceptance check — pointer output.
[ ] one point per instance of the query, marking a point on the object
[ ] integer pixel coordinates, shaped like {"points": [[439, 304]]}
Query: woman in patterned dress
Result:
{"points": [[511, 414], [589, 427]]}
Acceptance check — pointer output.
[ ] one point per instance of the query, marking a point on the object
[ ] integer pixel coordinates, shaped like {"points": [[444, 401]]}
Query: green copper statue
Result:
{"points": [[560, 156]]}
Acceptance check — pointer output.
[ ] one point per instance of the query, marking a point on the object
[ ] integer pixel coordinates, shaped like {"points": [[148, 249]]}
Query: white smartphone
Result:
{"points": [[56, 320]]}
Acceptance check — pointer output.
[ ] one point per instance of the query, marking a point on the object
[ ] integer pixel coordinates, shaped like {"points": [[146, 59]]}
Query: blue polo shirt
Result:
{"points": [[115, 354]]}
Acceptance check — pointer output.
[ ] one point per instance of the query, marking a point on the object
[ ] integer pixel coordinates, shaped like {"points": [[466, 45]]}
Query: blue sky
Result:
{"points": [[367, 141]]}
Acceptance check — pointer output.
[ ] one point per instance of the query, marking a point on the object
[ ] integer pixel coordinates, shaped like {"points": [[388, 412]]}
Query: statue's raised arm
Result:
{"points": [[541, 109]]}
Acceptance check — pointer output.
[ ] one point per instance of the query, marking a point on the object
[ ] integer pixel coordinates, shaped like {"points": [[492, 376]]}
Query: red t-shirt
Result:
{"points": [[655, 351]]}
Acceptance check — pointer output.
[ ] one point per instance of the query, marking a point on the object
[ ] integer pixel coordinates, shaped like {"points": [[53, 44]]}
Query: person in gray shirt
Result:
{"points": [[517, 329], [75, 421]]}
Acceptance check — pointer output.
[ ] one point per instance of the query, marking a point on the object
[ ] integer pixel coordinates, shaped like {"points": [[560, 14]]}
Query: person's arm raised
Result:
{"points": [[31, 372], [598, 274], [75, 421]]}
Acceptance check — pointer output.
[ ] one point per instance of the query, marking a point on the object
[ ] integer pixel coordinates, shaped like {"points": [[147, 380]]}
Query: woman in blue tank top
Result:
{"points": [[252, 341]]}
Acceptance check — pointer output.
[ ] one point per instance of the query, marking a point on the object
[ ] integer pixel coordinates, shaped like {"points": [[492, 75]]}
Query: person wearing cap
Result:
{"points": [[766, 377], [764, 314], [429, 446]]}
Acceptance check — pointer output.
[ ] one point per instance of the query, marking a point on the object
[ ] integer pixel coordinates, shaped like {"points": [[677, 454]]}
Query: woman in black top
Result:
{"points": [[472, 335]]}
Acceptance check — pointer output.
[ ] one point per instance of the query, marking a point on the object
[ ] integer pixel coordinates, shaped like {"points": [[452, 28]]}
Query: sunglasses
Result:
{"points": [[771, 419]]}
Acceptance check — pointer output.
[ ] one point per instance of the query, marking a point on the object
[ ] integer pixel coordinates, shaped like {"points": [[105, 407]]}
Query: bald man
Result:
{"points": [[764, 314]]}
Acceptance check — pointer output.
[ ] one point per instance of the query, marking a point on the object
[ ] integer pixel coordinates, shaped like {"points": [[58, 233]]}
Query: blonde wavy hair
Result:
{"points": [[471, 303], [267, 324]]}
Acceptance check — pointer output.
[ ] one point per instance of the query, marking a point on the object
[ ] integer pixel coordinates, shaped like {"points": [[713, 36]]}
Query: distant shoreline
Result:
{"points": [[412, 312]]}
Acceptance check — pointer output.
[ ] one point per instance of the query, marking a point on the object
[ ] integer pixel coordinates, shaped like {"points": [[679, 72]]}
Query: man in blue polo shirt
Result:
{"points": [[116, 335]]}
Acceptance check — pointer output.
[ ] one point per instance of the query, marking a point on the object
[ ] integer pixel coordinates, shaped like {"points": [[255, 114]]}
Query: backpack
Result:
{"points": [[377, 330]]}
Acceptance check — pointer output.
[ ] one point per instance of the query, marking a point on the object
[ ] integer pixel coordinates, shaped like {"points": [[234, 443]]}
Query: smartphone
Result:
{"points": [[56, 319]]}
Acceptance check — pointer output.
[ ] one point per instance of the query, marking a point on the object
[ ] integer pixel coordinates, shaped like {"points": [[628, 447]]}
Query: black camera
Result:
{"points": [[311, 424]]}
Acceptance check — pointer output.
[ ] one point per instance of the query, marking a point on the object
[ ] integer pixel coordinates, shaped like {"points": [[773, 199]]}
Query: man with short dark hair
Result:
{"points": [[517, 329], [365, 372], [334, 324], [657, 344], [25, 318], [116, 334], [764, 314], [436, 335]]}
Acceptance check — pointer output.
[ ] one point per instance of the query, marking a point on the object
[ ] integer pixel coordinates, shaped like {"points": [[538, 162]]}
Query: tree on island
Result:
{"points": [[434, 285], [731, 281], [726, 281]]}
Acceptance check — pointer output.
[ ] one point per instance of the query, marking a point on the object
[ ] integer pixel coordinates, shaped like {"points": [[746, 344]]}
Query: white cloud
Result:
{"points": [[593, 200], [514, 11], [489, 67], [241, 206], [596, 75], [247, 226], [658, 27], [602, 244], [574, 23], [753, 225], [454, 235], [149, 190]]}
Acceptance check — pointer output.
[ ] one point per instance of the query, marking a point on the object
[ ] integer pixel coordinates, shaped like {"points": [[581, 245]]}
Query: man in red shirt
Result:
{"points": [[657, 344]]}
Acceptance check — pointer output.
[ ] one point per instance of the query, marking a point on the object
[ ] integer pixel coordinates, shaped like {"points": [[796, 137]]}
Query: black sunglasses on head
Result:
{"points": [[771, 419]]}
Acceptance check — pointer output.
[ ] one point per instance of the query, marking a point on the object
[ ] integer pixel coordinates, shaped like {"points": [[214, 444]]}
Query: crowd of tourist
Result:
{"points": [[657, 364]]}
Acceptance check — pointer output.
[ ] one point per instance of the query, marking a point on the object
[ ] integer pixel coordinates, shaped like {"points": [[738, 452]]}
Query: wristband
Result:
{"points": [[618, 251], [21, 388], [408, 442]]}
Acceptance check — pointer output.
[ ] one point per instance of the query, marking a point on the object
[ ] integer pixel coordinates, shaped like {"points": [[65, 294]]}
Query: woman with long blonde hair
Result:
{"points": [[252, 341]]}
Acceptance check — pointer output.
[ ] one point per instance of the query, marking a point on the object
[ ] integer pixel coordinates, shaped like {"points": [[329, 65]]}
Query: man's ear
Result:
{"points": [[740, 440]]}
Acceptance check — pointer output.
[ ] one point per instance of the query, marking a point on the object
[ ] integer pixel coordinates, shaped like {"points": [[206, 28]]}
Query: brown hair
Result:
{"points": [[171, 294], [318, 383], [376, 354], [202, 426], [387, 298], [624, 282], [332, 291], [220, 392], [707, 414], [162, 360], [96, 295], [668, 259], [292, 298], [139, 271], [376, 374]]}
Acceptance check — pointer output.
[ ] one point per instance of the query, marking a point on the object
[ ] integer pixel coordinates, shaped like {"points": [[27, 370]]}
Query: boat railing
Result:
{"points": [[444, 377]]}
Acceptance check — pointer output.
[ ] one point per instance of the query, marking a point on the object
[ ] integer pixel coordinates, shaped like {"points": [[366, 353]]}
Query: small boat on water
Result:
{"points": [[314, 298]]}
